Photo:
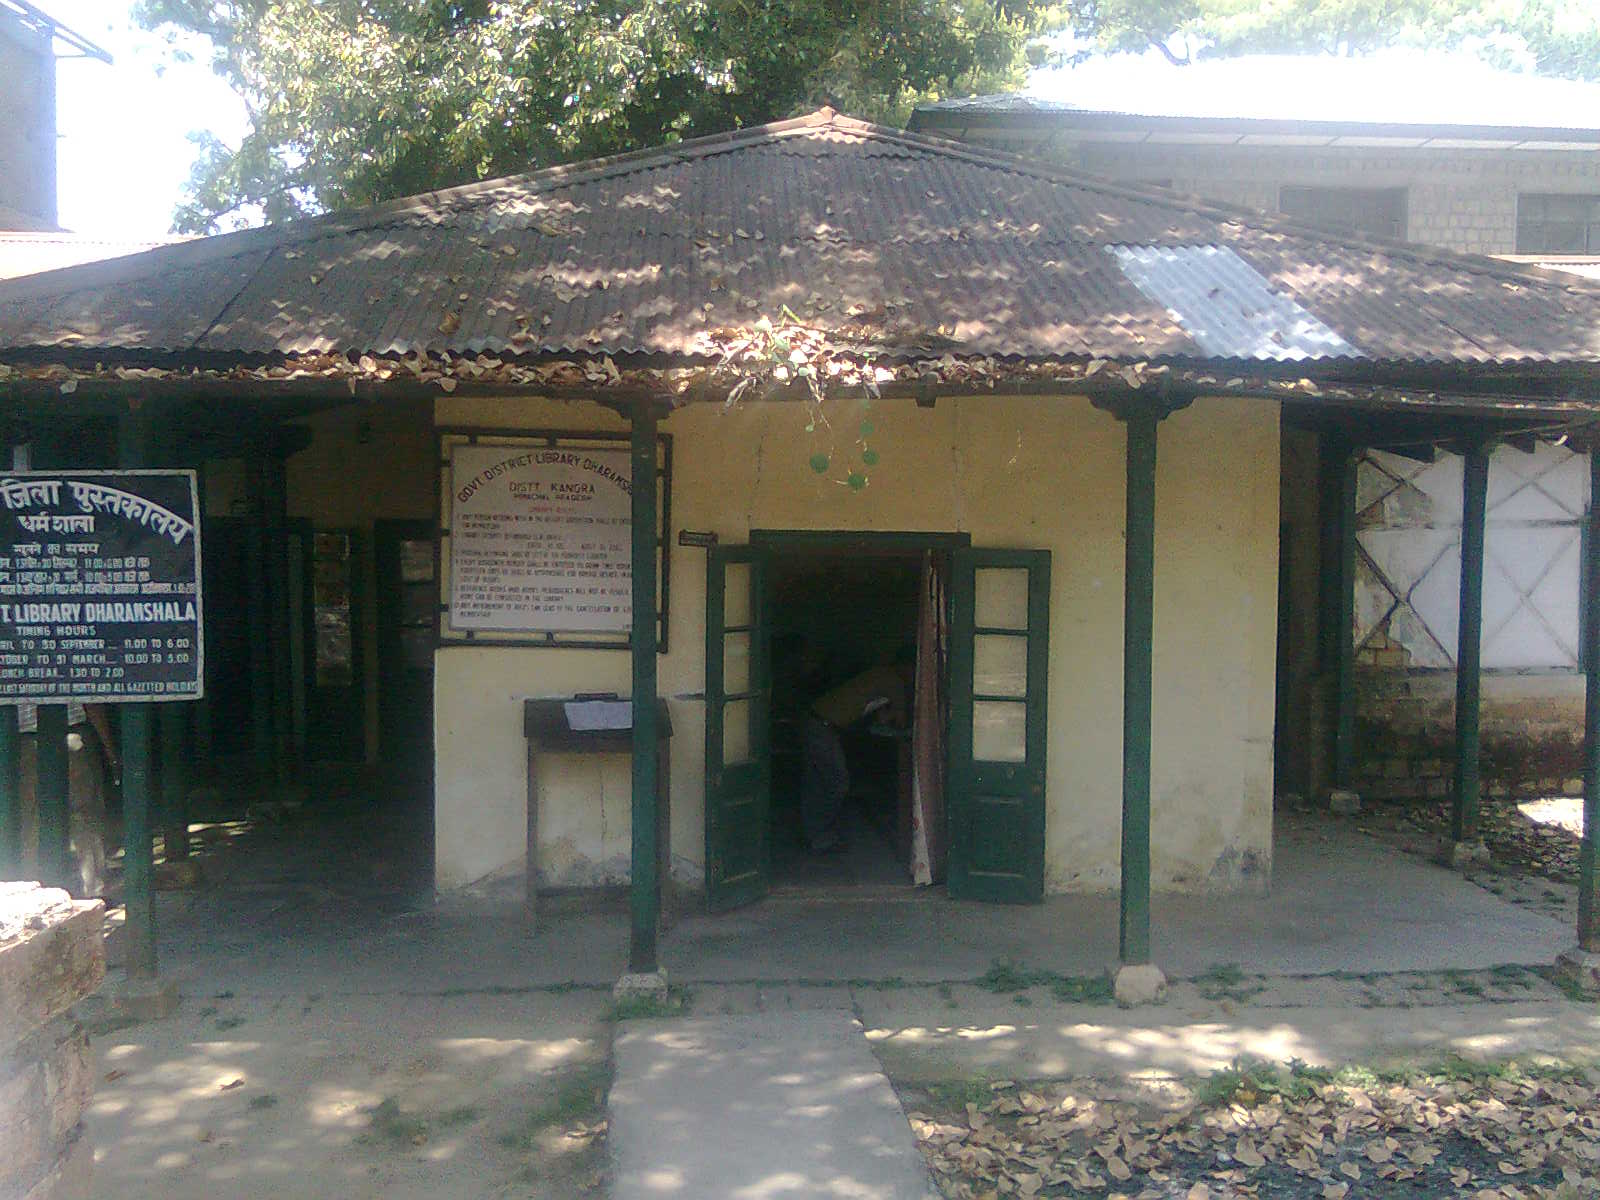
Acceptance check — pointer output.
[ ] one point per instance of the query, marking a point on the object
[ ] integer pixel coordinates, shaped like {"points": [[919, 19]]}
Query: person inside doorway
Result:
{"points": [[880, 694]]}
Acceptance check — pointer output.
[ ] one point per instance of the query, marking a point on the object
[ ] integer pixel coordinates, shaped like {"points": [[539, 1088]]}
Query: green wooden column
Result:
{"points": [[173, 723], [258, 615], [645, 896], [1469, 642], [134, 438], [1588, 880], [10, 795], [51, 790], [275, 506], [11, 761], [1138, 606], [1343, 634]]}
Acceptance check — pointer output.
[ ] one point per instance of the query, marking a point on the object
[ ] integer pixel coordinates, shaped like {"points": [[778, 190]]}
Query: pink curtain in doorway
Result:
{"points": [[928, 712]]}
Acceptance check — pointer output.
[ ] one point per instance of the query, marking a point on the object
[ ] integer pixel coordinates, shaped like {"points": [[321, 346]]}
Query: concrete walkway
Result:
{"points": [[1340, 901], [780, 1106]]}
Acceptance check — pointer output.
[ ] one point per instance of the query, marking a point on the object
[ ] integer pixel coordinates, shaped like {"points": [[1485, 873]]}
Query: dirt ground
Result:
{"points": [[1458, 1130], [399, 1097]]}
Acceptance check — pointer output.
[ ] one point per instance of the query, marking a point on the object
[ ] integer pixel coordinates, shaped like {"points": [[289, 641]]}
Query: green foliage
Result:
{"points": [[358, 101], [1562, 37], [643, 1007]]}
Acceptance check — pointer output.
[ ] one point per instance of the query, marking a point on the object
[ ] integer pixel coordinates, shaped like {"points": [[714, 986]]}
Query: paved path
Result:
{"points": [[776, 1106]]}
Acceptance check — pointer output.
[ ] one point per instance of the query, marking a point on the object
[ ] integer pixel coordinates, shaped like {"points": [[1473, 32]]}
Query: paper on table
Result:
{"points": [[586, 715]]}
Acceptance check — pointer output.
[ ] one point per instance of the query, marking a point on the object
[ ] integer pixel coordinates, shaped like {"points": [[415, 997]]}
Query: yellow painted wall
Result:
{"points": [[1011, 472]]}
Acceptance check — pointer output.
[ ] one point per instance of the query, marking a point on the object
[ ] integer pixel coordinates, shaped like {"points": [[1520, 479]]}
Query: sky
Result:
{"points": [[124, 152], [125, 149]]}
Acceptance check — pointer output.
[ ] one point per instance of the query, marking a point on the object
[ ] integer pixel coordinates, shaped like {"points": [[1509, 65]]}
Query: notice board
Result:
{"points": [[100, 586], [536, 541]]}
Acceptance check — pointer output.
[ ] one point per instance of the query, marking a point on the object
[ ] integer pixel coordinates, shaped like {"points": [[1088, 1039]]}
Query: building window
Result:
{"points": [[1378, 211], [1558, 224]]}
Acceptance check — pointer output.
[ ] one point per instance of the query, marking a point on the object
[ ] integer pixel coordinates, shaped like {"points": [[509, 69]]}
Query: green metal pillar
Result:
{"points": [[1138, 605], [1469, 642], [52, 790], [11, 760], [1588, 880], [275, 504], [173, 722], [645, 895], [258, 614], [134, 437], [1343, 634], [10, 795]]}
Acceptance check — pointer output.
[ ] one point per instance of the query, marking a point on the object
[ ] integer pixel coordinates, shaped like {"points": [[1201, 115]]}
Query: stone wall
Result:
{"points": [[51, 955], [1532, 734], [1460, 199]]}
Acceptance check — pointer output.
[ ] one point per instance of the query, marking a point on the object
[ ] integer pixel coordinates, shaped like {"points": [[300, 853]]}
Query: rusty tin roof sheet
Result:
{"points": [[925, 246]]}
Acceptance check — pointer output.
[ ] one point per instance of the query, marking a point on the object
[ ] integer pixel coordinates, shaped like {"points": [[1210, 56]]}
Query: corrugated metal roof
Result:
{"points": [[918, 243], [1227, 306]]}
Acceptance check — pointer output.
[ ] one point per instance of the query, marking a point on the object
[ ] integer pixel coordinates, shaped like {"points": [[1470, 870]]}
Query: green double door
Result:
{"points": [[995, 793]]}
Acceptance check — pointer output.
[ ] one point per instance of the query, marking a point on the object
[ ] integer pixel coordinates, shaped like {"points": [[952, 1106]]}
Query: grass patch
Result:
{"points": [[227, 1023], [678, 1001], [958, 1093], [1086, 989], [580, 1096], [1006, 976], [1226, 981], [264, 1101], [391, 1125]]}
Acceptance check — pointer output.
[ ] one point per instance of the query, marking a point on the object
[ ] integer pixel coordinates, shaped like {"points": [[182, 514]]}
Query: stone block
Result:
{"points": [[143, 999], [649, 984], [1572, 787], [1580, 969], [1468, 854], [51, 955], [1344, 803], [69, 1177], [45, 1086], [1138, 984]]}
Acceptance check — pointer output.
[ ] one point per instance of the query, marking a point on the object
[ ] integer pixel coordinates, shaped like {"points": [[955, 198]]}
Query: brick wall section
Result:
{"points": [[1532, 729], [52, 954], [1459, 199]]}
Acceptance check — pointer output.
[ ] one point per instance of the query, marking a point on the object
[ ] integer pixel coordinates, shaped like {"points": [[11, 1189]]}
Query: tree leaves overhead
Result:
{"points": [[1560, 37], [357, 101]]}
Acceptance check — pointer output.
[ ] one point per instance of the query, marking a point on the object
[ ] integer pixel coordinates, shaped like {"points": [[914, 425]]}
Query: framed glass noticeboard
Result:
{"points": [[536, 541]]}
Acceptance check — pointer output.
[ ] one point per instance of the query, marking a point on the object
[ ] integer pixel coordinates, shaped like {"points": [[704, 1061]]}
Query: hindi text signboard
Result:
{"points": [[99, 586], [540, 539]]}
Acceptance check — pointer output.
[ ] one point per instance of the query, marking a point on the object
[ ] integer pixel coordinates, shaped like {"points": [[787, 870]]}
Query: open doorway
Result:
{"points": [[859, 688]]}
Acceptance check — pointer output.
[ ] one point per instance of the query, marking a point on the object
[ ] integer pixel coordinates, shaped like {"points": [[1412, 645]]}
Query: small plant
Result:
{"points": [[580, 1097], [1005, 976], [1090, 989], [227, 1023], [263, 1101]]}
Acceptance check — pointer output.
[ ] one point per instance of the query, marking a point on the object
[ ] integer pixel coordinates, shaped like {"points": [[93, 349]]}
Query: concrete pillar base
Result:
{"points": [[1136, 984], [1459, 856], [1344, 803], [649, 984], [1579, 969], [143, 999]]}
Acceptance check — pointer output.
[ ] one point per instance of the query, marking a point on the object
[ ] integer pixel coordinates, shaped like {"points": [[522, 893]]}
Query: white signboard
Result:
{"points": [[540, 539]]}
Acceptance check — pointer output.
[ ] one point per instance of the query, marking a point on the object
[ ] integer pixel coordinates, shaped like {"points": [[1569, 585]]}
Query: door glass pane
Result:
{"points": [[1000, 665], [736, 732], [736, 594], [999, 731], [736, 663], [416, 562], [1001, 597]]}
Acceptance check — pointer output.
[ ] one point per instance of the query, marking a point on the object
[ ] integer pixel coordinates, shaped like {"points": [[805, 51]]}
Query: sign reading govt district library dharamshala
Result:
{"points": [[540, 539], [99, 586]]}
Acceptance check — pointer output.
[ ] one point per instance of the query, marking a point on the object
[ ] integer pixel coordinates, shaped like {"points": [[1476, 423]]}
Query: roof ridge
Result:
{"points": [[276, 238]]}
